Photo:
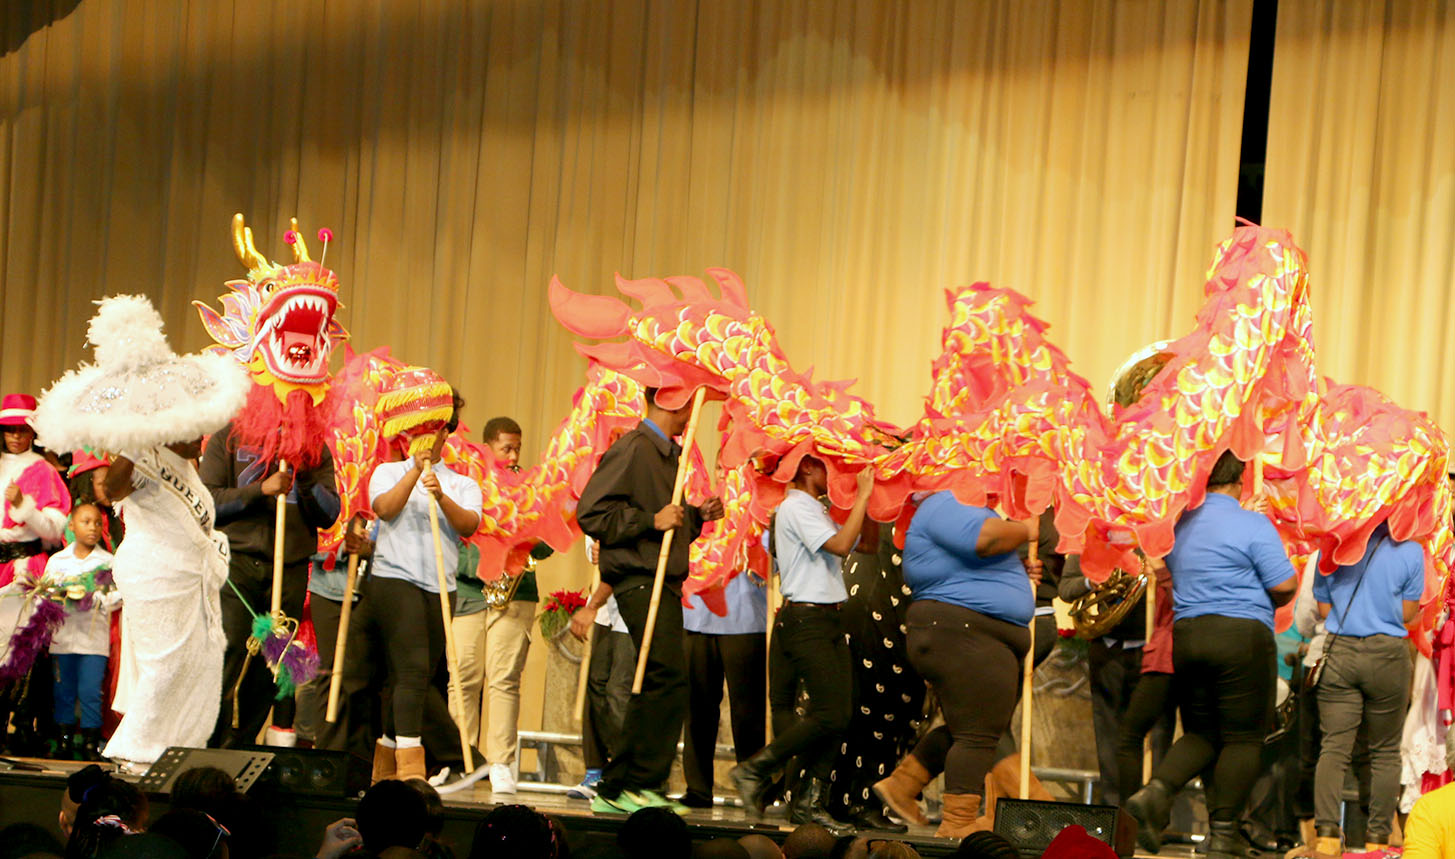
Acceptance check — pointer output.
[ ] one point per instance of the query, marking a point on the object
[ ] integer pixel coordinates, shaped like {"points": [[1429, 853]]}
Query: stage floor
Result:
{"points": [[31, 793]]}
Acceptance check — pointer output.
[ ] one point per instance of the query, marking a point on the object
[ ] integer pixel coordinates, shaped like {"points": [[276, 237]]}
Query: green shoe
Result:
{"points": [[652, 799], [624, 803]]}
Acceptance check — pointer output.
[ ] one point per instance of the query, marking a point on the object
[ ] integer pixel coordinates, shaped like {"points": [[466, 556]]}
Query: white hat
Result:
{"points": [[138, 394]]}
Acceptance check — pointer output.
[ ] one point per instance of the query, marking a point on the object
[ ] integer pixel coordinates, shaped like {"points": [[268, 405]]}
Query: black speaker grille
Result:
{"points": [[1032, 825]]}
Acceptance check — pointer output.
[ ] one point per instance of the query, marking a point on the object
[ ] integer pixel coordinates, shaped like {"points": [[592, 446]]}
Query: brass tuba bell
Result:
{"points": [[1096, 612]]}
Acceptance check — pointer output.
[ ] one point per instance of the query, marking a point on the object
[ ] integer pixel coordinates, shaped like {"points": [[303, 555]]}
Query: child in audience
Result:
{"points": [[82, 573]]}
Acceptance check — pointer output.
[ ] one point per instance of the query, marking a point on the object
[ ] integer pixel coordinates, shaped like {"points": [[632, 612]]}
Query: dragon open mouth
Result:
{"points": [[293, 334]]}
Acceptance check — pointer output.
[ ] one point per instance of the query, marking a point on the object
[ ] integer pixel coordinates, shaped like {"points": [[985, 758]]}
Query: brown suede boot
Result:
{"points": [[900, 788], [384, 764], [411, 763], [961, 816], [1004, 779]]}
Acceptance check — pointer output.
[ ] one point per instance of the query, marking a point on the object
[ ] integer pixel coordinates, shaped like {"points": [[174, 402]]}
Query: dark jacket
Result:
{"points": [[1074, 584], [234, 476], [1051, 560], [620, 502]]}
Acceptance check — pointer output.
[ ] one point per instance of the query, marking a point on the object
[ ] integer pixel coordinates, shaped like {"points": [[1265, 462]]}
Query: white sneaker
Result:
{"points": [[282, 737], [440, 777], [502, 779]]}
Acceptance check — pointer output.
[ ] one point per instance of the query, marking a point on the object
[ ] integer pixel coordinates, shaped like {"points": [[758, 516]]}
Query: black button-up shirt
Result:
{"points": [[620, 502]]}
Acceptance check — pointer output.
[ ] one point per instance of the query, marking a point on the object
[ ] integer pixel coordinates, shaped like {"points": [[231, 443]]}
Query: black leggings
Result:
{"points": [[1151, 706], [1224, 679], [406, 619], [973, 662]]}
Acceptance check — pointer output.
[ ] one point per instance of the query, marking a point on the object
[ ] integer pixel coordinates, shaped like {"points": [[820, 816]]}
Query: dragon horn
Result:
{"points": [[242, 243], [300, 250]]}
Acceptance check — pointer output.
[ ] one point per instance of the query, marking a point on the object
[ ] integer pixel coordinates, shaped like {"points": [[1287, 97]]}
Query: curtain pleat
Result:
{"points": [[1361, 166]]}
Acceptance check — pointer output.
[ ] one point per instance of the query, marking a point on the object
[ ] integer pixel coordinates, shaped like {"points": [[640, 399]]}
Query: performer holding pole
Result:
{"points": [[1229, 573], [973, 602], [809, 647], [271, 513], [628, 506], [418, 412], [688, 438]]}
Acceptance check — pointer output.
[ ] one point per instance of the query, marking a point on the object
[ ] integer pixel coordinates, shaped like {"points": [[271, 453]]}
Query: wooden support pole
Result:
{"points": [[340, 647], [585, 668], [278, 525], [452, 657], [1149, 599], [1028, 675]]}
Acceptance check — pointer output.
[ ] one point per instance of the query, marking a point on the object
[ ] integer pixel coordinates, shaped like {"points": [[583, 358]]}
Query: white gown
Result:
{"points": [[169, 570]]}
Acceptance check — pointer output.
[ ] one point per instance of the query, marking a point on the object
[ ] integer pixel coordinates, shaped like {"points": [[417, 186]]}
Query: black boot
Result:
{"points": [[1151, 807], [56, 745], [871, 818], [89, 744], [1224, 841], [753, 777], [808, 807]]}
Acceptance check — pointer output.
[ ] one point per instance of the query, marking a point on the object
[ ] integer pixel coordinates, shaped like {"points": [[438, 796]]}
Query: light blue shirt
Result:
{"points": [[1224, 561], [405, 545], [1395, 572], [941, 564], [747, 609], [806, 572], [329, 584]]}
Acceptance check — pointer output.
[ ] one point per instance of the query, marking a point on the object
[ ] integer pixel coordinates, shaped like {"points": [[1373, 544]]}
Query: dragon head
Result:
{"points": [[279, 323]]}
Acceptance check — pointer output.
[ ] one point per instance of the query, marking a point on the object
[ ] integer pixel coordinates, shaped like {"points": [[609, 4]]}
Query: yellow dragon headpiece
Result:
{"points": [[279, 323]]}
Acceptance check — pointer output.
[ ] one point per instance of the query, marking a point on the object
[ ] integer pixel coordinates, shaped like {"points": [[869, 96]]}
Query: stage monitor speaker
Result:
{"points": [[1031, 825], [315, 772], [243, 766]]}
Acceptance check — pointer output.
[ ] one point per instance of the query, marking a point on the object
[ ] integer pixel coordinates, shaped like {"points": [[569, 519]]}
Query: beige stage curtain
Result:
{"points": [[1361, 167], [850, 159]]}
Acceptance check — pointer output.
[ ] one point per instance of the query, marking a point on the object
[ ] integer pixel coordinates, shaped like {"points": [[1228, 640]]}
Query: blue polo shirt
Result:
{"points": [[747, 609], [1224, 561], [1395, 572], [806, 572], [940, 562]]}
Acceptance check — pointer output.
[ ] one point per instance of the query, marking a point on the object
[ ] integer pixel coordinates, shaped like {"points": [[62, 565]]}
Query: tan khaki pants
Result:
{"points": [[492, 646]]}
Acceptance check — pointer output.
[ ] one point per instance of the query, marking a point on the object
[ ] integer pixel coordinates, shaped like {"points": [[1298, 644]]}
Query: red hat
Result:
{"points": [[83, 461], [17, 410], [1075, 842]]}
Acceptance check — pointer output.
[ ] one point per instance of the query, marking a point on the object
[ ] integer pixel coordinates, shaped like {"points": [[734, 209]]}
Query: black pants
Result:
{"points": [[1045, 642], [809, 648], [393, 612], [654, 718], [608, 692], [710, 659], [313, 699], [973, 662], [253, 577], [407, 620], [1115, 672], [1150, 709], [1224, 679]]}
